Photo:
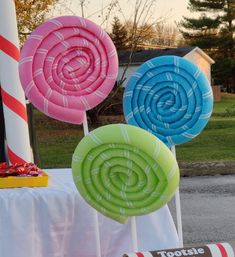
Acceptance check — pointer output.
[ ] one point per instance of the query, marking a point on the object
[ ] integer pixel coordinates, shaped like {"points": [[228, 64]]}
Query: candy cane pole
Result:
{"points": [[15, 115]]}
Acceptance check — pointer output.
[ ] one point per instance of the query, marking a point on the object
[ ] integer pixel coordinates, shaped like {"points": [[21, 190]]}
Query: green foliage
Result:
{"points": [[203, 23], [224, 68], [205, 5], [213, 31], [119, 34]]}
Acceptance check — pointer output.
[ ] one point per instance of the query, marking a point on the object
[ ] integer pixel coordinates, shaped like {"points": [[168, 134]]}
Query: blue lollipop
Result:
{"points": [[169, 97]]}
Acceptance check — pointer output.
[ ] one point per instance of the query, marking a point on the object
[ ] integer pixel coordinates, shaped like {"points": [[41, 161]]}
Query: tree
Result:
{"points": [[147, 34], [119, 34], [144, 34], [30, 14], [167, 35], [213, 31], [137, 25]]}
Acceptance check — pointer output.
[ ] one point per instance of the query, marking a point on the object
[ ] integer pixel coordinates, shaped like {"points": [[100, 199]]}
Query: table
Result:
{"points": [[56, 222]]}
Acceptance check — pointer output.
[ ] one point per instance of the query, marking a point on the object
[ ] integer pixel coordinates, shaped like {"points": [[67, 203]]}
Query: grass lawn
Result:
{"points": [[227, 101], [217, 141], [57, 141]]}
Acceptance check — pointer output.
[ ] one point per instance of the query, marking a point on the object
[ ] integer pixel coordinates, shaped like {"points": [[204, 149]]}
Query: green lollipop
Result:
{"points": [[122, 170]]}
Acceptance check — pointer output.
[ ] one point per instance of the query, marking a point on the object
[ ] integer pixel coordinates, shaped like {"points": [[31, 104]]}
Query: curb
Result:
{"points": [[206, 168]]}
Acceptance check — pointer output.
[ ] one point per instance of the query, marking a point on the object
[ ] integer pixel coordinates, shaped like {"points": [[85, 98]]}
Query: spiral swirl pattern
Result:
{"points": [[122, 171], [67, 66], [169, 97]]}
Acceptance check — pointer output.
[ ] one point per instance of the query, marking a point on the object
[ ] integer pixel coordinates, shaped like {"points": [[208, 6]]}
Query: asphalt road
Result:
{"points": [[208, 209]]}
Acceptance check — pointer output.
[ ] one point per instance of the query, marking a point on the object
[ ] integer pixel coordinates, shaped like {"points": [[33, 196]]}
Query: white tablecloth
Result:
{"points": [[56, 222]]}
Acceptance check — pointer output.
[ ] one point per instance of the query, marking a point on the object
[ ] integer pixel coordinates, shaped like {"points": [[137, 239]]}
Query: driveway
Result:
{"points": [[208, 209]]}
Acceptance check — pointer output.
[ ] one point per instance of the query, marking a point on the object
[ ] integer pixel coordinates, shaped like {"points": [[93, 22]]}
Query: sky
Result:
{"points": [[171, 10], [175, 8]]}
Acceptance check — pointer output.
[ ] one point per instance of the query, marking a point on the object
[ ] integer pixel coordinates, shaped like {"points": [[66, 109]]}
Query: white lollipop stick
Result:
{"points": [[85, 125], [178, 209], [96, 221], [134, 234]]}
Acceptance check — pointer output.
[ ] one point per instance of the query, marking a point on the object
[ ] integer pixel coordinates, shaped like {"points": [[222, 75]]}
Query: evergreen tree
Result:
{"points": [[119, 34], [213, 31]]}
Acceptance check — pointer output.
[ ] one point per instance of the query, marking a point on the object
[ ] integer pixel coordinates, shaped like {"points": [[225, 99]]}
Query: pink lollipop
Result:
{"points": [[67, 66]]}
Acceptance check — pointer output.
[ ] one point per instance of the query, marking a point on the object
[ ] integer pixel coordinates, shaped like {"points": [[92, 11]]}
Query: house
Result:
{"points": [[193, 54]]}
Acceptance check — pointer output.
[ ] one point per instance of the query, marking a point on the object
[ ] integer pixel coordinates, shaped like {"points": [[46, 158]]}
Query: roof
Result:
{"points": [[142, 56], [203, 54]]}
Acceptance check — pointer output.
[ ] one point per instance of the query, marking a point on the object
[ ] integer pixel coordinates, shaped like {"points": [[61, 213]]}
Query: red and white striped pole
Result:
{"points": [[13, 98]]}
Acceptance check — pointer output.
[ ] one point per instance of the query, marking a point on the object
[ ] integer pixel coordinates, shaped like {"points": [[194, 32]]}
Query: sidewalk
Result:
{"points": [[208, 209]]}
